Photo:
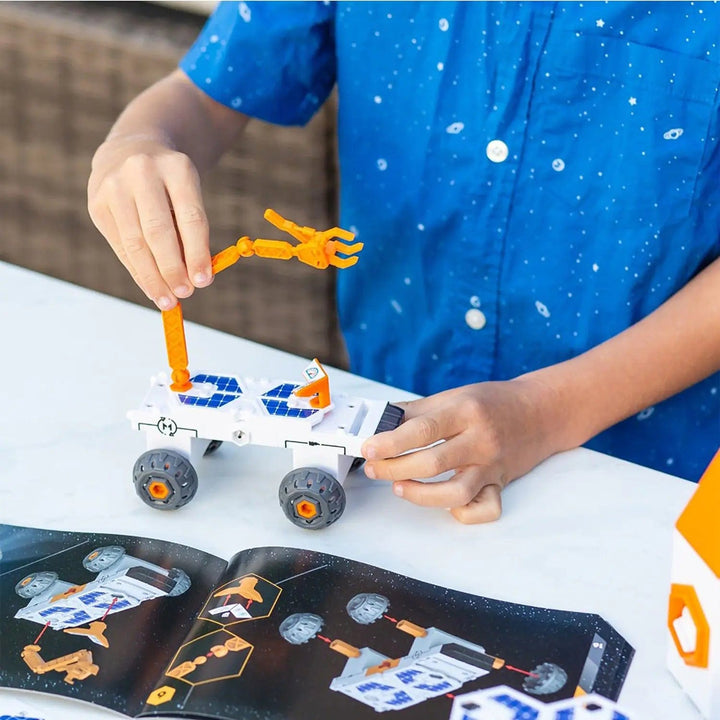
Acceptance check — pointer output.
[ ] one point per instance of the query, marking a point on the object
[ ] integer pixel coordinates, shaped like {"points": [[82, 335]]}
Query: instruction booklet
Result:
{"points": [[152, 628]]}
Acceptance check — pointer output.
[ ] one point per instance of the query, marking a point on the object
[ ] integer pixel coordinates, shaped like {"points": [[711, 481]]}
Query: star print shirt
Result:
{"points": [[529, 179]]}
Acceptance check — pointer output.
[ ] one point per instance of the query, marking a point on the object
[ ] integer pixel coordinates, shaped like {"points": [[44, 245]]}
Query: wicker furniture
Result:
{"points": [[66, 71]]}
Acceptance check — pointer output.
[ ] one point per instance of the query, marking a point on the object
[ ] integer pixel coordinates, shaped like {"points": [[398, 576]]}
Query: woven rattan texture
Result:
{"points": [[66, 71]]}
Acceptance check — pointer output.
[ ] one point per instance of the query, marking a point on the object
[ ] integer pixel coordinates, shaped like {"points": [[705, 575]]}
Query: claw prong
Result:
{"points": [[346, 249], [342, 262]]}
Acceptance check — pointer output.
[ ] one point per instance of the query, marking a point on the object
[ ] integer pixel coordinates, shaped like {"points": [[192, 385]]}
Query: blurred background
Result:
{"points": [[67, 69]]}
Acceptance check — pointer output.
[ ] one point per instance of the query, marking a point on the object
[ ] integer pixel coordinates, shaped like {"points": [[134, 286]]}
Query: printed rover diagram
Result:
{"points": [[216, 651], [123, 582], [437, 663]]}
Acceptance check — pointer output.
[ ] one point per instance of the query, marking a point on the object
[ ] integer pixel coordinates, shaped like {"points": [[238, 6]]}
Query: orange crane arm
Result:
{"points": [[315, 248]]}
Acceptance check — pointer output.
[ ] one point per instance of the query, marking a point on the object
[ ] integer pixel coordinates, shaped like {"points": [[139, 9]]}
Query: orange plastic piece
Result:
{"points": [[318, 390], [387, 664], [230, 255], [698, 523], [158, 490], [74, 589], [681, 597], [344, 648], [76, 666], [181, 670], [161, 695], [306, 509], [95, 630], [316, 248], [245, 588], [176, 348], [411, 628], [236, 643]]}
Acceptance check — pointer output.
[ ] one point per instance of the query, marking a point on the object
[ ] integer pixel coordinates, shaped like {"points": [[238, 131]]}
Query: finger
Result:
{"points": [[104, 222], [486, 506], [429, 404], [415, 432], [191, 222], [158, 228], [140, 261], [456, 492], [424, 463]]}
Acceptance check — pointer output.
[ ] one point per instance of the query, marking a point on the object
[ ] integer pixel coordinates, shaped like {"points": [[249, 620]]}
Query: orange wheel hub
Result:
{"points": [[158, 490], [306, 509]]}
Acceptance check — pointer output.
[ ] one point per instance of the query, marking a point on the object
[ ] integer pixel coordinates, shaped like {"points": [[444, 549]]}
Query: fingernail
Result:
{"points": [[164, 303], [201, 279], [370, 471], [398, 489], [182, 291], [369, 452]]}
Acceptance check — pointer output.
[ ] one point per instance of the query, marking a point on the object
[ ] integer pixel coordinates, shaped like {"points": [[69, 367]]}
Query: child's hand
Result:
{"points": [[146, 200], [491, 433]]}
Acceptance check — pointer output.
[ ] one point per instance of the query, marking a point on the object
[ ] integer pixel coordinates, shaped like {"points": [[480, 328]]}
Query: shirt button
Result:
{"points": [[475, 319], [497, 151]]}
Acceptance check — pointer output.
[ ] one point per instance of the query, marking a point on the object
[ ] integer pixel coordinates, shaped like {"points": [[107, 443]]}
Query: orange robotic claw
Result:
{"points": [[315, 248]]}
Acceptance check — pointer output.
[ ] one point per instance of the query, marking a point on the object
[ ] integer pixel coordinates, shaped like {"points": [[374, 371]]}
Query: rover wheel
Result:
{"points": [[35, 583], [311, 498], [164, 479], [103, 557], [213, 445], [181, 579], [545, 679], [301, 627]]}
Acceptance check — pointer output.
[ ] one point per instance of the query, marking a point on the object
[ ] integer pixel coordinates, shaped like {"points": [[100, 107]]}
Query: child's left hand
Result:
{"points": [[488, 433]]}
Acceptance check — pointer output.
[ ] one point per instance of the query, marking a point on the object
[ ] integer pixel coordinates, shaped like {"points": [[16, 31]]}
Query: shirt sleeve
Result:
{"points": [[271, 60]]}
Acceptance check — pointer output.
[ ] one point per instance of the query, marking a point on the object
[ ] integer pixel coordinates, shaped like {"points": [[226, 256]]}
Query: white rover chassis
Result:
{"points": [[181, 427]]}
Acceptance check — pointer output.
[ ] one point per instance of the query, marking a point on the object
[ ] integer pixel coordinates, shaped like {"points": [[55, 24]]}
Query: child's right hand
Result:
{"points": [[145, 198]]}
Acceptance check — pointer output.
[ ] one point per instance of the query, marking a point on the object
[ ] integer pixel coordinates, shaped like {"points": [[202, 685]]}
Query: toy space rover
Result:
{"points": [[186, 417], [123, 582], [438, 663]]}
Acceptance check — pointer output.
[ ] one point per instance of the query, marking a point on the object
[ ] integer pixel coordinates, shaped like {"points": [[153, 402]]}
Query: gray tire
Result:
{"points": [[301, 627], [35, 583], [311, 498], [103, 557], [164, 479], [545, 679]]}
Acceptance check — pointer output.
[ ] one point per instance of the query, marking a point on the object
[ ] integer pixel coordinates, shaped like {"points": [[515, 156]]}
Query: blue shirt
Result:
{"points": [[529, 179]]}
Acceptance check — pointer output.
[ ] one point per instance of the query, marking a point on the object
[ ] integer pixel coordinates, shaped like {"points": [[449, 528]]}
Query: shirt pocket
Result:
{"points": [[618, 130]]}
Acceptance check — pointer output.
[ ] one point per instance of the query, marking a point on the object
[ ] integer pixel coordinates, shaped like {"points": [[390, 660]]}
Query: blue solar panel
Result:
{"points": [[279, 408], [281, 391], [214, 401], [221, 382], [228, 390]]}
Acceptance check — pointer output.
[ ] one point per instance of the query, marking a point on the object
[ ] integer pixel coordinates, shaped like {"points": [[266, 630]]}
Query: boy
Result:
{"points": [[536, 188]]}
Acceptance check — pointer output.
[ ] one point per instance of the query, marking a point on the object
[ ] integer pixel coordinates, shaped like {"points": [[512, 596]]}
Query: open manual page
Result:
{"points": [[151, 628]]}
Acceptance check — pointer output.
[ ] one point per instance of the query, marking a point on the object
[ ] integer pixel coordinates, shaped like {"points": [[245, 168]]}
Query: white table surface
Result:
{"points": [[583, 531]]}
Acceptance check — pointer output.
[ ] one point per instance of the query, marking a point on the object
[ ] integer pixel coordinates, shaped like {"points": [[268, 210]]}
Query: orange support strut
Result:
{"points": [[176, 348]]}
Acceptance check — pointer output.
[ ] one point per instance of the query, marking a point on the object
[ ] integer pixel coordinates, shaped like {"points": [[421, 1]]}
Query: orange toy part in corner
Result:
{"points": [[681, 597], [698, 522], [318, 389], [176, 348]]}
